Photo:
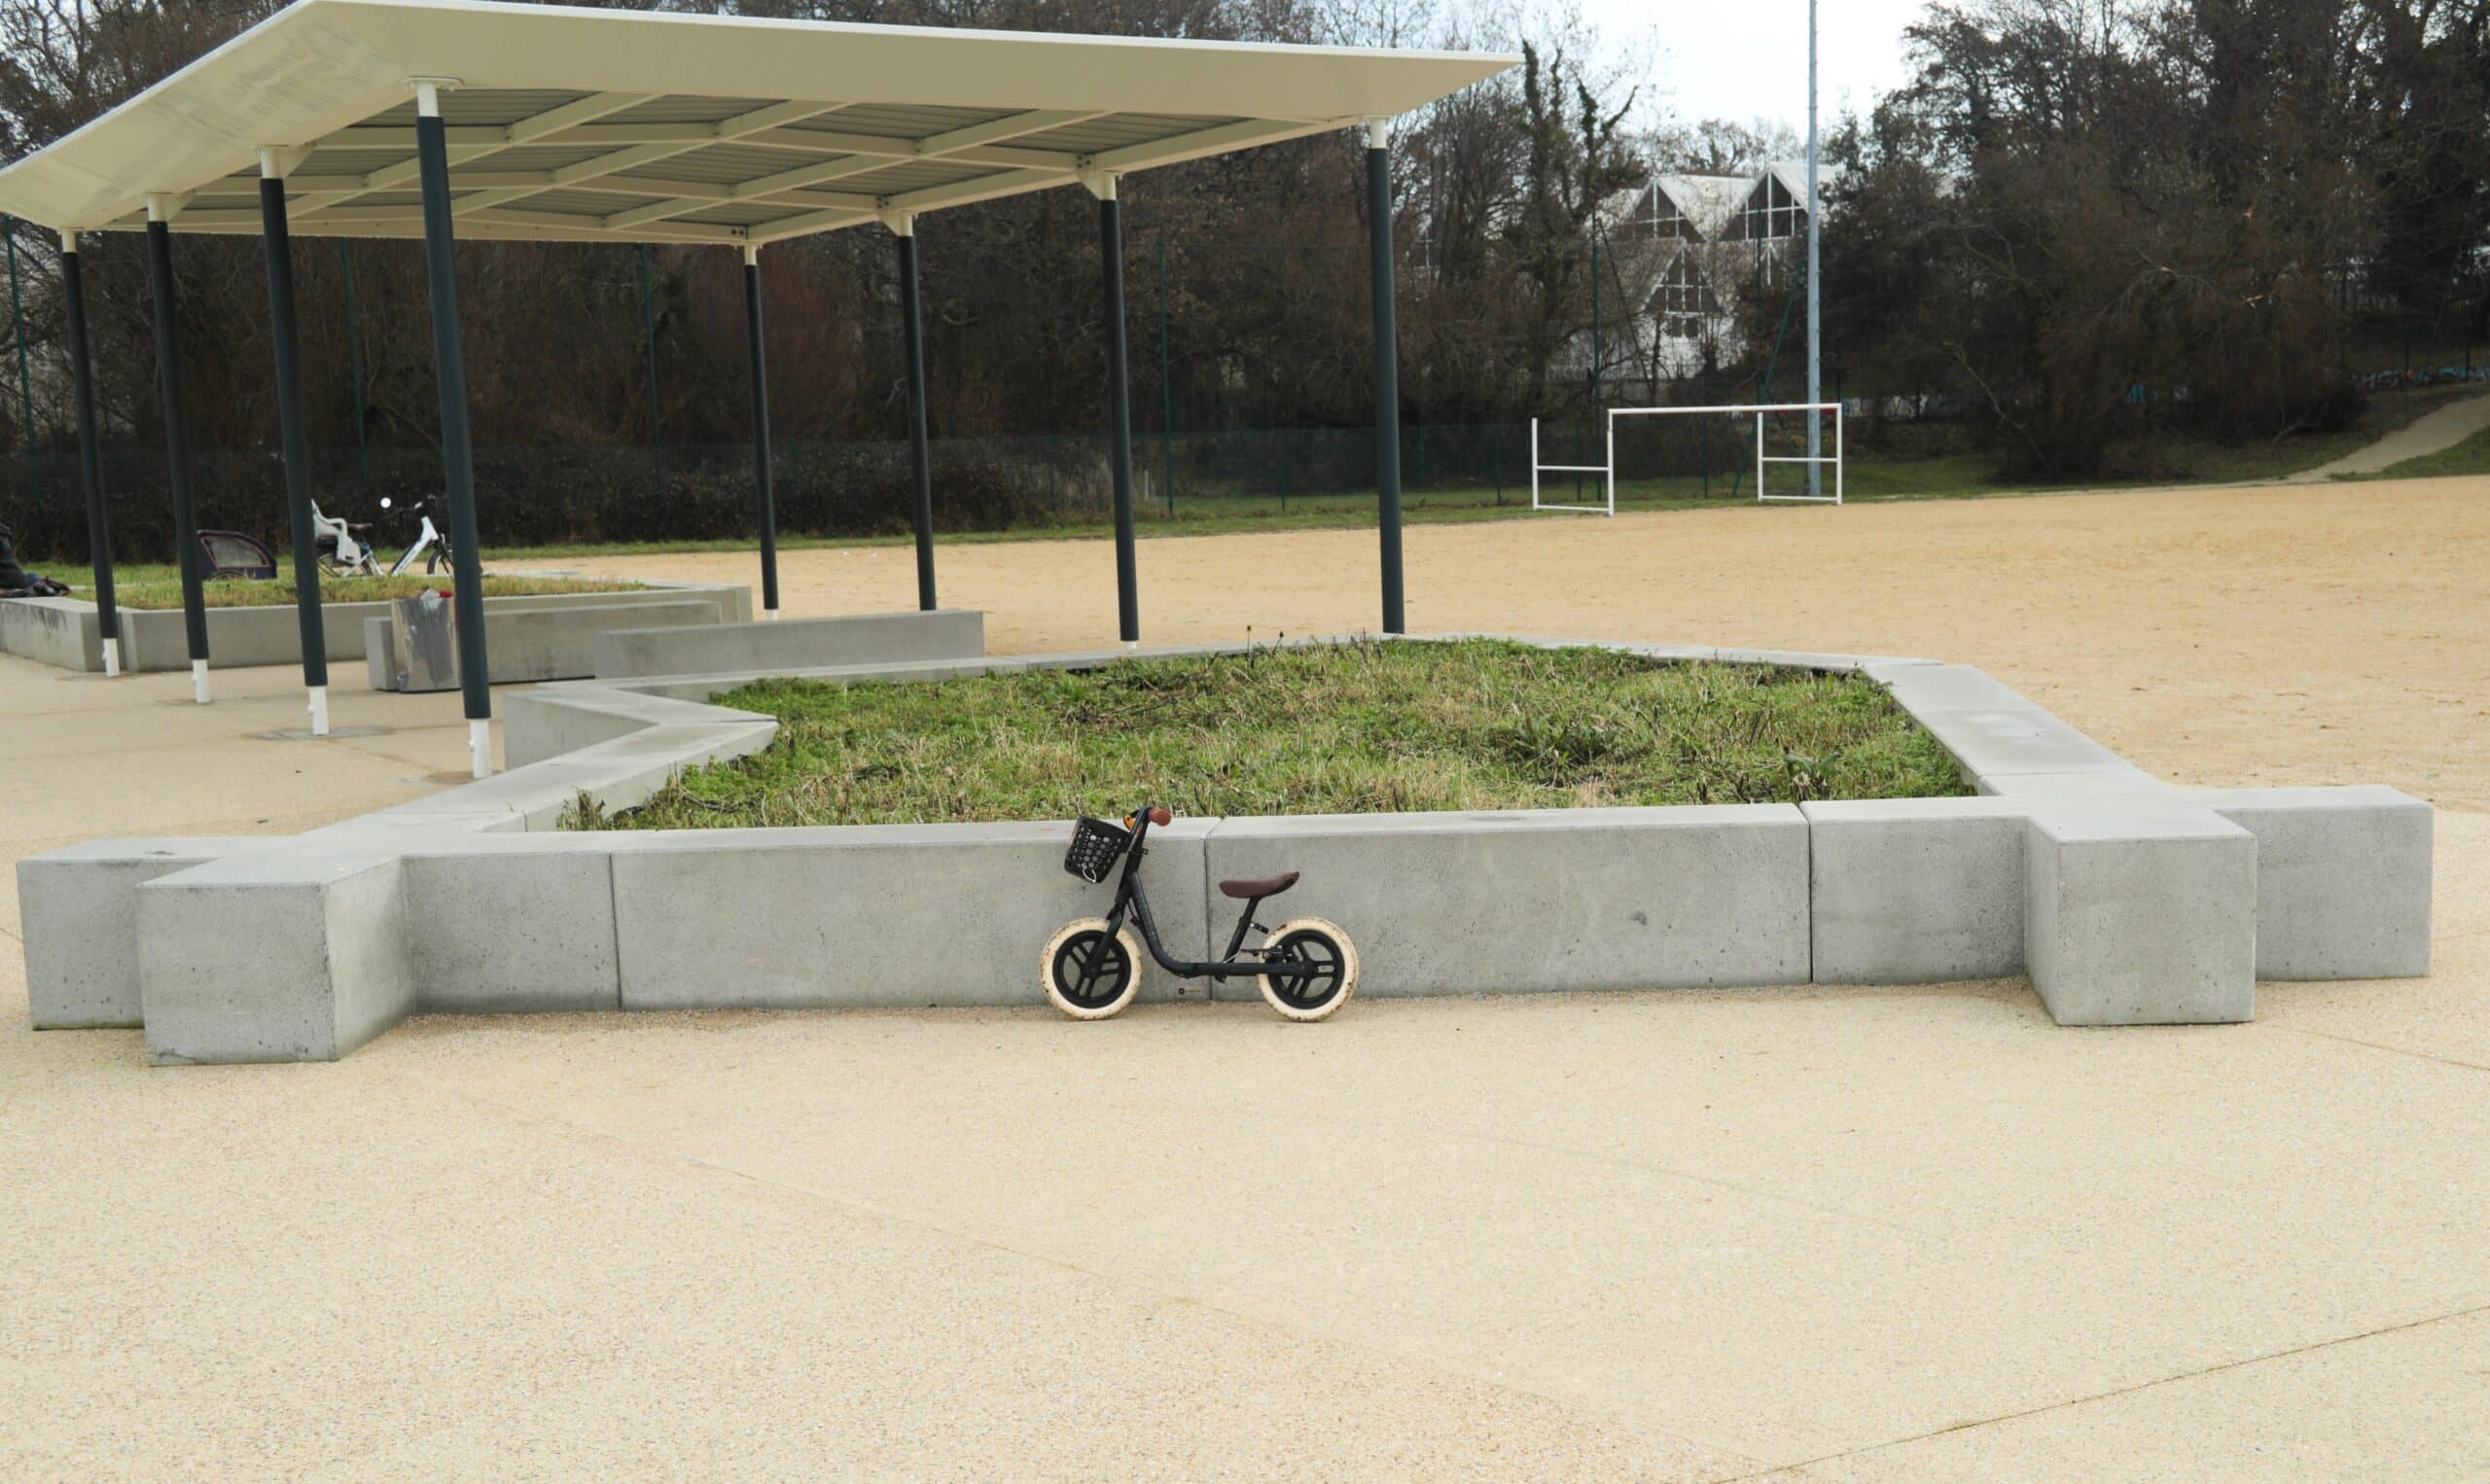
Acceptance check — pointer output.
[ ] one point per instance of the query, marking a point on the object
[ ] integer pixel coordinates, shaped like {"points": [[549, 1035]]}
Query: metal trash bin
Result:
{"points": [[423, 641]]}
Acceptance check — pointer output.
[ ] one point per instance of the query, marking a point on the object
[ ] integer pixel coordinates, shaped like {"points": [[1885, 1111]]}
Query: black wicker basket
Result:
{"points": [[1096, 847]]}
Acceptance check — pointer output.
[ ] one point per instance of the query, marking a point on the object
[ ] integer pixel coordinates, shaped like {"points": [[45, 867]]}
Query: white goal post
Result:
{"points": [[1758, 410]]}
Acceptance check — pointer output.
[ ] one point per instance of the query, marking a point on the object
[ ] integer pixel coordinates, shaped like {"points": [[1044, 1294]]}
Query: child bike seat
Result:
{"points": [[1246, 887]]}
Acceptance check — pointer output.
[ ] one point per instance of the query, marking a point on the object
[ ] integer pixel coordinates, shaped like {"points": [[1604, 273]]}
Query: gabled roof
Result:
{"points": [[1709, 201], [1792, 175], [633, 125]]}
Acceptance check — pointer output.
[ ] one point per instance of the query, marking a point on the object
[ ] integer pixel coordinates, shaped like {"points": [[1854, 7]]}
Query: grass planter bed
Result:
{"points": [[1358, 727], [2127, 901]]}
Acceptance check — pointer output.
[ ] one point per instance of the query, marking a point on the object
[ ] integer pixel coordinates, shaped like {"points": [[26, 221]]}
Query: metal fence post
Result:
{"points": [[25, 383], [1387, 369], [177, 445], [649, 331], [1111, 254], [457, 451], [1167, 389], [90, 475], [277, 241], [354, 365]]}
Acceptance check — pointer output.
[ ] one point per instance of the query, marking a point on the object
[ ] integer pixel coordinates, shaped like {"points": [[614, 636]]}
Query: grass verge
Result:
{"points": [[1352, 729], [1870, 478]]}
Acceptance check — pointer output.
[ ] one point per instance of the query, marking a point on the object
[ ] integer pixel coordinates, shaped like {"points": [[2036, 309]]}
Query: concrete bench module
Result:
{"points": [[533, 644]]}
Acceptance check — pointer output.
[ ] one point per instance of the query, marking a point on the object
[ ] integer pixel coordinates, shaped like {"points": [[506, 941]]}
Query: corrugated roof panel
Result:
{"points": [[715, 166], [1116, 130], [476, 106], [912, 175], [353, 161], [536, 157], [583, 201], [902, 121], [686, 109]]}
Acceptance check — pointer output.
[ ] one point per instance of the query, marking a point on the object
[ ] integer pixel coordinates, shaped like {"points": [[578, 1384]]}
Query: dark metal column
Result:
{"points": [[279, 246], [920, 457], [90, 472], [1111, 253], [457, 455], [767, 503], [177, 444], [1387, 370]]}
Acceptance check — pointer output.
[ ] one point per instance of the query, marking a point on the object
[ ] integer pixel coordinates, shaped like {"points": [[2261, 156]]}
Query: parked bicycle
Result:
{"points": [[429, 545], [345, 548], [341, 544], [1307, 968]]}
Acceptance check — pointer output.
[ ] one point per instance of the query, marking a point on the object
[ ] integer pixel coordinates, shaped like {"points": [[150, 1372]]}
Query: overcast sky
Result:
{"points": [[1740, 58]]}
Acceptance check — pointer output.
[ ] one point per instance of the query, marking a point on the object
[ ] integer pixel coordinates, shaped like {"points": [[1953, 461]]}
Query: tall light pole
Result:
{"points": [[1815, 335]]}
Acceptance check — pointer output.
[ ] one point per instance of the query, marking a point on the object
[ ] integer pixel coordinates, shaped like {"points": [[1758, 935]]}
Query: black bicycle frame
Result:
{"points": [[1129, 895]]}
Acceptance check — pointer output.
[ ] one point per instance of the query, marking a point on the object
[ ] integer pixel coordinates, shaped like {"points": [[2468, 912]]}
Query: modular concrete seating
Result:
{"points": [[793, 644], [63, 631], [535, 644], [2125, 900]]}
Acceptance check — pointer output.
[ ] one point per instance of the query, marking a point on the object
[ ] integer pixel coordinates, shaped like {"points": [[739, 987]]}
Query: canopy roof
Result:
{"points": [[598, 126]]}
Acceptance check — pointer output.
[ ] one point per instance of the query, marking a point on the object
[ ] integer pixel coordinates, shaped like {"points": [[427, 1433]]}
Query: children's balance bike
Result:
{"points": [[1091, 970]]}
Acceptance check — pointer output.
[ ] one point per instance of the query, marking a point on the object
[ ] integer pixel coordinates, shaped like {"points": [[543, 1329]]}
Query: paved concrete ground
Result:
{"points": [[2441, 428], [1815, 1233]]}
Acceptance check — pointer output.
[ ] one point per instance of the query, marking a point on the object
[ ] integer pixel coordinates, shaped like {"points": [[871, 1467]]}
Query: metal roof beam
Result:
{"points": [[774, 115], [869, 153]]}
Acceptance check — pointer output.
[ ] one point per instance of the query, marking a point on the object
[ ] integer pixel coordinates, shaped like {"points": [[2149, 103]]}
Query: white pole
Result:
{"points": [[198, 681], [1815, 340], [319, 710], [479, 746], [1534, 462], [1612, 461], [111, 658]]}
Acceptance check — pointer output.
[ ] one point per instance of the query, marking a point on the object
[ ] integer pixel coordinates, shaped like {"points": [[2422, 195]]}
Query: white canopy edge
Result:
{"points": [[588, 109]]}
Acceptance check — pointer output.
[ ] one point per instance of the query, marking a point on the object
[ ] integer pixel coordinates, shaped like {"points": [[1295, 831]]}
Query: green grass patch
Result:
{"points": [[1351, 729], [161, 587]]}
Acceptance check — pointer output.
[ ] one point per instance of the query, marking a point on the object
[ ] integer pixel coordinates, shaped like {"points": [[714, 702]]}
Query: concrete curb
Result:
{"points": [[2128, 901]]}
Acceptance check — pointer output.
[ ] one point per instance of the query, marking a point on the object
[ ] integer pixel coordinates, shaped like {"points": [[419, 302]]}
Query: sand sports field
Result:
{"points": [[2243, 635], [1804, 1235]]}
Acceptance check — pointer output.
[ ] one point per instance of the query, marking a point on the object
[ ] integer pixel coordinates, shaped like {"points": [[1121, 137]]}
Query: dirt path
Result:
{"points": [[2442, 428], [2254, 635]]}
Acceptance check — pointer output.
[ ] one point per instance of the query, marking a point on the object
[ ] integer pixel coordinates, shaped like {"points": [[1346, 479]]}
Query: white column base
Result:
{"points": [[479, 746], [319, 710], [198, 681], [1132, 644], [770, 614], [111, 658]]}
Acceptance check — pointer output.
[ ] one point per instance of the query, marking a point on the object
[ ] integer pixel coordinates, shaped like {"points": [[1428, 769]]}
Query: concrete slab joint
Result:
{"points": [[2126, 901]]}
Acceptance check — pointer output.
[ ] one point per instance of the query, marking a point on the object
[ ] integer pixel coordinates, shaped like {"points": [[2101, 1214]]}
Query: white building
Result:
{"points": [[1678, 258]]}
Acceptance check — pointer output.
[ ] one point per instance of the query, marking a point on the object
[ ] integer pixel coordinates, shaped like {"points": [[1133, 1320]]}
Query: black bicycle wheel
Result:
{"points": [[1326, 977], [1090, 969]]}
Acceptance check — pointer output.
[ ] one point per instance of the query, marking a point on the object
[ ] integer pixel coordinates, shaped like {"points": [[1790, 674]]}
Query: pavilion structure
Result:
{"points": [[448, 120]]}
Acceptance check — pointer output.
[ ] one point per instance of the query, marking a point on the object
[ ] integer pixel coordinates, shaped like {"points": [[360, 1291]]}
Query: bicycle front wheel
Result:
{"points": [[1089, 975]]}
